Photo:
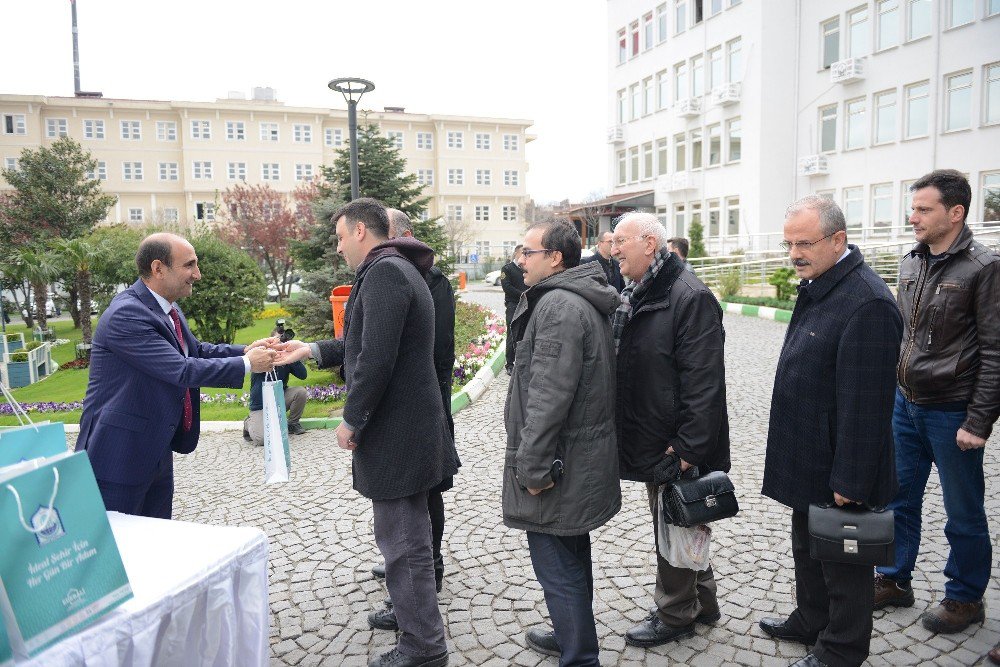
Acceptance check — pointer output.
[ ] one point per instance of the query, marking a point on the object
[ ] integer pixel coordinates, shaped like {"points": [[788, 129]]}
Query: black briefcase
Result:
{"points": [[697, 501], [852, 534]]}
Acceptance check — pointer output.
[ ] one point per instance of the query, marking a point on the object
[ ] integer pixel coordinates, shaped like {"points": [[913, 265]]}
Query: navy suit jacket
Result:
{"points": [[134, 405]]}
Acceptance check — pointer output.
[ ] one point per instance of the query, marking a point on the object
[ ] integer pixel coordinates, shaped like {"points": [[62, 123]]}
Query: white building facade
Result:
{"points": [[728, 110]]}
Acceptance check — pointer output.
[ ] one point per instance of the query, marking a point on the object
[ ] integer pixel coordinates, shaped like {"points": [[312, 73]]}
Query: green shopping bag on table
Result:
{"points": [[29, 440], [60, 568], [6, 655], [277, 457]]}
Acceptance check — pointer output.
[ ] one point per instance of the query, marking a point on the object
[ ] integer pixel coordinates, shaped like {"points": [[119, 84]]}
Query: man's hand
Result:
{"points": [[261, 359], [684, 464], [291, 351], [841, 500], [535, 492], [263, 342], [967, 441], [345, 438]]}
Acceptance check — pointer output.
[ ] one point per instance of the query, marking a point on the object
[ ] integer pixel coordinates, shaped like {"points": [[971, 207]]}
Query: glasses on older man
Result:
{"points": [[619, 241], [529, 253], [802, 245]]}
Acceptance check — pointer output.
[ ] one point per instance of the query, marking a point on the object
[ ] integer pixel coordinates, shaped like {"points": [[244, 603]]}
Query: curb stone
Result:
{"points": [[763, 312]]}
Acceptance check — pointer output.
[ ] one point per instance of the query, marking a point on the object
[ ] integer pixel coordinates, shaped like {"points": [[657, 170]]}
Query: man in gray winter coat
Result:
{"points": [[561, 469]]}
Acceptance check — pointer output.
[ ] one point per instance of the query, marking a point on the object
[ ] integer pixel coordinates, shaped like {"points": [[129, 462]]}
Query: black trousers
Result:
{"points": [[834, 602]]}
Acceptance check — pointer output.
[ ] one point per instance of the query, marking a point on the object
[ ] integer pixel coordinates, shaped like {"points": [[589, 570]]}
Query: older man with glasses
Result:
{"points": [[830, 433]]}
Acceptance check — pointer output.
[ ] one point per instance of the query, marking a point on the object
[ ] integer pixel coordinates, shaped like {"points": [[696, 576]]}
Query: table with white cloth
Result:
{"points": [[200, 599]]}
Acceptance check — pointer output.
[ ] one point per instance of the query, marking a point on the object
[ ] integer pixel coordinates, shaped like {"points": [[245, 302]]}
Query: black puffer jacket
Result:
{"points": [[672, 377]]}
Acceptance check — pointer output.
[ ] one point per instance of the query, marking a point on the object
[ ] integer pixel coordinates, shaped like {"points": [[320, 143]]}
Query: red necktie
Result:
{"points": [[188, 410]]}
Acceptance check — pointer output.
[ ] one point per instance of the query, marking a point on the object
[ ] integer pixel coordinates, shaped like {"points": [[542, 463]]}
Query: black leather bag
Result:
{"points": [[852, 534], [693, 502]]}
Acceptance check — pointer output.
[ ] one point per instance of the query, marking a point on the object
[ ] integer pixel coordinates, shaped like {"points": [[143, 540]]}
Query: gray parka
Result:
{"points": [[561, 405]]}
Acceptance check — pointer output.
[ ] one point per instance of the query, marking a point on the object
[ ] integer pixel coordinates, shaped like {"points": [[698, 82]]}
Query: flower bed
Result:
{"points": [[481, 348]]}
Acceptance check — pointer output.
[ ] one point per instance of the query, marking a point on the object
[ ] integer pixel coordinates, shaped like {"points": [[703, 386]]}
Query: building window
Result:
{"points": [[680, 153], [680, 82], [698, 13], [484, 177], [93, 129], [856, 121], [425, 176], [991, 197], [713, 217], [270, 171], [509, 215], [10, 164], [735, 140], [679, 219], [695, 217], [715, 7], [853, 207], [425, 141], [714, 145], [302, 134], [959, 12], [395, 139], [201, 170], [828, 129], [621, 106], [303, 171], [482, 213], [236, 130], [647, 96], [204, 211], [482, 142], [168, 171], [735, 58], [831, 41], [647, 160], [622, 174], [622, 47], [885, 117], [56, 127], [131, 171], [662, 160], [201, 129], [633, 164], [634, 32], [170, 215], [958, 101], [680, 16], [661, 23], [636, 101], [510, 142], [888, 24], [715, 76], [906, 198], [454, 213], [733, 216], [269, 132], [13, 123], [647, 31], [455, 139], [237, 171], [698, 76], [992, 93], [166, 130], [135, 215], [858, 38], [456, 177], [917, 110], [333, 137], [101, 173], [696, 149], [992, 7], [510, 178], [132, 130], [882, 205], [918, 20], [662, 89]]}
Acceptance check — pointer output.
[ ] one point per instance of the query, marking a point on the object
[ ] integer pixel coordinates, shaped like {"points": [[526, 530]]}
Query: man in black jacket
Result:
{"points": [[609, 264], [671, 402], [830, 434], [512, 282], [393, 421]]}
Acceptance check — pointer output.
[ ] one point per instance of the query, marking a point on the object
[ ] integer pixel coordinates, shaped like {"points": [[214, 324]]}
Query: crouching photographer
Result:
{"points": [[295, 397]]}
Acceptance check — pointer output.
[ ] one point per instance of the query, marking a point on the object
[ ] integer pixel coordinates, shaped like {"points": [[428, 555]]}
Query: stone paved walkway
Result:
{"points": [[322, 548]]}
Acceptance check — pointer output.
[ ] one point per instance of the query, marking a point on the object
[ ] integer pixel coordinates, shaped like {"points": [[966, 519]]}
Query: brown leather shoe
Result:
{"points": [[892, 593], [953, 616], [994, 655]]}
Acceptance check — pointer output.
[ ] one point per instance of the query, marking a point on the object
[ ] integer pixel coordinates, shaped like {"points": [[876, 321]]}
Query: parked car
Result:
{"points": [[50, 309], [493, 278]]}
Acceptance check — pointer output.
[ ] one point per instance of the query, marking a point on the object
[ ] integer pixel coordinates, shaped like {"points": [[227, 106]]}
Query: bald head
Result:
{"points": [[399, 223], [157, 246], [168, 265]]}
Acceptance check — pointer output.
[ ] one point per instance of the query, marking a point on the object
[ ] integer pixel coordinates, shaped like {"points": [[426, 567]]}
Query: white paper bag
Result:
{"points": [[277, 457]]}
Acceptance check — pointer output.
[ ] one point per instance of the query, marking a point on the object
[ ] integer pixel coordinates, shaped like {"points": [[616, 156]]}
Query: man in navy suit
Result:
{"points": [[146, 370]]}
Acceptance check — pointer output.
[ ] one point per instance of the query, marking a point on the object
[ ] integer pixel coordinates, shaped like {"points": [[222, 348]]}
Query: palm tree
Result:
{"points": [[39, 268], [79, 254]]}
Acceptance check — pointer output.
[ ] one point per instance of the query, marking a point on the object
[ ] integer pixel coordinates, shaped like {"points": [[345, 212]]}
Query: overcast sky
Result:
{"points": [[542, 60]]}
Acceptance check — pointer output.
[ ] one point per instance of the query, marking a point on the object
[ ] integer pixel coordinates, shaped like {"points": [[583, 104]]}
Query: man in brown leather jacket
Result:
{"points": [[948, 397]]}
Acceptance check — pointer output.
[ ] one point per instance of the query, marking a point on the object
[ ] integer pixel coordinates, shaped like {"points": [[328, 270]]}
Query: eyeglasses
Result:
{"points": [[802, 245], [528, 253], [619, 242]]}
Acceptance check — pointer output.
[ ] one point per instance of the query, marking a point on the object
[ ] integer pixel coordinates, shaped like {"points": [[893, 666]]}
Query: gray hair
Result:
{"points": [[649, 225], [831, 218], [399, 222]]}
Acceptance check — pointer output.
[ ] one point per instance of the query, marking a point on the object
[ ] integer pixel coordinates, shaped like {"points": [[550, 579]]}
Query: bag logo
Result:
{"points": [[48, 525], [74, 598]]}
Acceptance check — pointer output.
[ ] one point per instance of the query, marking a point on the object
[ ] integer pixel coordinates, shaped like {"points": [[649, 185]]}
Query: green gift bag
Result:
{"points": [[6, 655], [277, 456], [59, 568], [31, 441]]}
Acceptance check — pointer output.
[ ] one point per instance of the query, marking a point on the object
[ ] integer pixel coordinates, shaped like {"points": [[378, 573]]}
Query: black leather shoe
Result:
{"points": [[654, 632], [379, 571], [708, 619], [543, 641], [383, 619], [809, 661], [396, 659], [779, 629], [295, 429]]}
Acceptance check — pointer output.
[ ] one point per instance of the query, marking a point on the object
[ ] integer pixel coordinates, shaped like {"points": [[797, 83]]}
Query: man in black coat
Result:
{"points": [[512, 282], [830, 434], [393, 421], [608, 263]]}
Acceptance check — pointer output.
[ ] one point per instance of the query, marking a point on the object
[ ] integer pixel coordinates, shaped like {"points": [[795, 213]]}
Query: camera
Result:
{"points": [[279, 326], [286, 335]]}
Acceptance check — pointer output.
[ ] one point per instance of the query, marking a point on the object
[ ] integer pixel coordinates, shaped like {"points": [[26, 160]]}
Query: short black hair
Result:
{"points": [[681, 244], [561, 235], [367, 210], [951, 184], [149, 250]]}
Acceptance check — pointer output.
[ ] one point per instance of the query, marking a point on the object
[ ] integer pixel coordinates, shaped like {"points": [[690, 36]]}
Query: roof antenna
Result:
{"points": [[76, 59]]}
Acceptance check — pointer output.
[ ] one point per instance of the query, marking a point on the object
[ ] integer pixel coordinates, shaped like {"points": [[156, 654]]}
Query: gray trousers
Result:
{"points": [[295, 403], [403, 535], [681, 594]]}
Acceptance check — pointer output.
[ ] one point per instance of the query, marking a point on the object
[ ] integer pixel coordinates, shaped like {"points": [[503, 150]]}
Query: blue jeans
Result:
{"points": [[923, 437], [563, 567]]}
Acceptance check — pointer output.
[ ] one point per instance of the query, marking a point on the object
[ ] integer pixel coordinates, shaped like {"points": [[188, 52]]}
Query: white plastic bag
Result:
{"points": [[277, 458], [689, 548]]}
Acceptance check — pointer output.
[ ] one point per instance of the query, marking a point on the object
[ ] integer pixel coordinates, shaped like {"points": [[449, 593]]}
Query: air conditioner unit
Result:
{"points": [[683, 180], [689, 108], [847, 71], [813, 165], [725, 95], [616, 134]]}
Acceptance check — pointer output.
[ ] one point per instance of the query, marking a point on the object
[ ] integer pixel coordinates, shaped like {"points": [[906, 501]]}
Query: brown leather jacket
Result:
{"points": [[951, 330]]}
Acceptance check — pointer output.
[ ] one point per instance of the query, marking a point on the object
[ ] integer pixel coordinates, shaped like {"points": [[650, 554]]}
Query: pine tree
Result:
{"points": [[696, 236]]}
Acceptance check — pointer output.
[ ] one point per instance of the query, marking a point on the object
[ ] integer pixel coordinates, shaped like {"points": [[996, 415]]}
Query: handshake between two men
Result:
{"points": [[266, 353]]}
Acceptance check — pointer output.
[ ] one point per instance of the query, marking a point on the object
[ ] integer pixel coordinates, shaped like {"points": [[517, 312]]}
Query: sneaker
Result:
{"points": [[295, 428], [892, 593], [953, 616], [543, 641]]}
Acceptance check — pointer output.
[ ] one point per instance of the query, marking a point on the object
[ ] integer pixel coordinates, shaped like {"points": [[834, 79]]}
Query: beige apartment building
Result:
{"points": [[170, 161]]}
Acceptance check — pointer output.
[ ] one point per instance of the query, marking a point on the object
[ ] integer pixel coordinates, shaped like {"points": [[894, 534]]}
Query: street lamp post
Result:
{"points": [[350, 86]]}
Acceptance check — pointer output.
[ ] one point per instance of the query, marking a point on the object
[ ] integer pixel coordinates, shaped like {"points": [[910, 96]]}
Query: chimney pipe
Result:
{"points": [[76, 52]]}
